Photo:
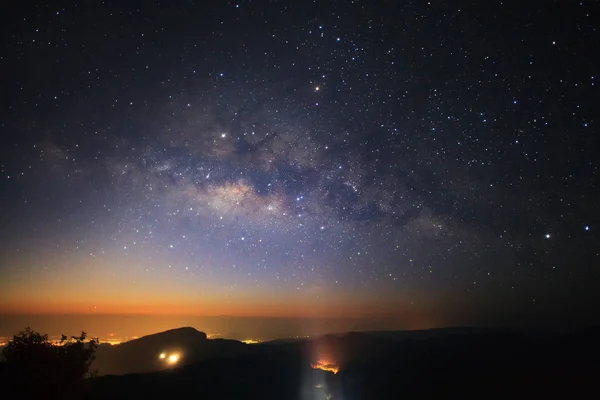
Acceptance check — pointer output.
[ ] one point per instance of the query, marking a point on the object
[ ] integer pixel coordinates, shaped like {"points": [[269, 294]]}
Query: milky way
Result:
{"points": [[391, 157]]}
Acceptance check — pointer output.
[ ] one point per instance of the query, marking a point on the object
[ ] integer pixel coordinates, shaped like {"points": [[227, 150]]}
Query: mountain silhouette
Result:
{"points": [[187, 344]]}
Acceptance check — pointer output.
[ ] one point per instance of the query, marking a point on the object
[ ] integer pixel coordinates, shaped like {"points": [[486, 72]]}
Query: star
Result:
{"points": [[409, 151]]}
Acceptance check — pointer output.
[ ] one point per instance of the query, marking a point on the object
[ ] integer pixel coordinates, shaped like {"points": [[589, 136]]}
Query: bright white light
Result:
{"points": [[162, 356], [173, 358], [548, 236]]}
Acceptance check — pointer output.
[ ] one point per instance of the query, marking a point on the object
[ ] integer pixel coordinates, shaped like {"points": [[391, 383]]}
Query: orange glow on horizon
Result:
{"points": [[170, 298], [246, 308], [162, 295]]}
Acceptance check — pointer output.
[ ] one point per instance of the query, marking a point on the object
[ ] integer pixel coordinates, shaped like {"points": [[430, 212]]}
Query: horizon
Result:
{"points": [[120, 328], [239, 328]]}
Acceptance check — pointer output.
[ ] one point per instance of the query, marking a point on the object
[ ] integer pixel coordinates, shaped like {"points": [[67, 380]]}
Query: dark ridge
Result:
{"points": [[452, 362]]}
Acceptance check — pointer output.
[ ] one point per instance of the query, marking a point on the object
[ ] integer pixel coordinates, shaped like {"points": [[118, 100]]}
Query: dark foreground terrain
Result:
{"points": [[380, 365], [451, 363]]}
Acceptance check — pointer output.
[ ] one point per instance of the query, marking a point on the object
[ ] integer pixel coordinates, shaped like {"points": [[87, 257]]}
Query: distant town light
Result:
{"points": [[325, 365]]}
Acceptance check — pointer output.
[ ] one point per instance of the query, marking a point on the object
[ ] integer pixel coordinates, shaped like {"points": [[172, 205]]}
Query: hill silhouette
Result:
{"points": [[143, 354]]}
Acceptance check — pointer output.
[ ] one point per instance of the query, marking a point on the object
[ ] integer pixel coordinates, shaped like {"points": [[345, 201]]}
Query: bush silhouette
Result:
{"points": [[34, 365]]}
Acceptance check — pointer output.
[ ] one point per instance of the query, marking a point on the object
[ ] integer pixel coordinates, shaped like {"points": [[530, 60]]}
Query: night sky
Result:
{"points": [[430, 161]]}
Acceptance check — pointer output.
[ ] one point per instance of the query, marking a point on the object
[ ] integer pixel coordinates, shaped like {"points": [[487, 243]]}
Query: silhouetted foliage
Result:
{"points": [[34, 365]]}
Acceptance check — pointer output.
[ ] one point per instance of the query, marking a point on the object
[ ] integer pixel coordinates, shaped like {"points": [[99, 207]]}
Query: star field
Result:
{"points": [[273, 158]]}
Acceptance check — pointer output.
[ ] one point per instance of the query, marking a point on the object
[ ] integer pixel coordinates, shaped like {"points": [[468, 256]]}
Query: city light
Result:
{"points": [[169, 358]]}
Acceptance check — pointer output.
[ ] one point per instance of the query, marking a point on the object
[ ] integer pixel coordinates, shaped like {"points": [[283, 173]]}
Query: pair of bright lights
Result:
{"points": [[171, 358]]}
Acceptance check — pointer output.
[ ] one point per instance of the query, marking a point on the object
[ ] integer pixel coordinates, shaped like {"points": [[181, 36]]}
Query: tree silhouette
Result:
{"points": [[34, 365]]}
